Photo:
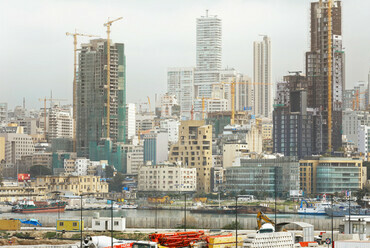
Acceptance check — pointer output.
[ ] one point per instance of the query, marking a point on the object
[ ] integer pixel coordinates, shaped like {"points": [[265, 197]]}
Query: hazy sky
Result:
{"points": [[36, 56]]}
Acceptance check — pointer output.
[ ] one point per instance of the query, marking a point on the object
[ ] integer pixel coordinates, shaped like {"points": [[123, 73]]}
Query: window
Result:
{"points": [[74, 224], [97, 223], [61, 223], [116, 223]]}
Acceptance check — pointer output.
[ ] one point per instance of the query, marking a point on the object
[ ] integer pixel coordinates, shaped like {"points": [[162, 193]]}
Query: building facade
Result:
{"points": [[155, 147], [60, 123], [208, 54], [180, 83], [76, 185], [259, 176], [92, 93], [194, 150], [262, 77], [167, 178], [317, 70], [321, 175]]}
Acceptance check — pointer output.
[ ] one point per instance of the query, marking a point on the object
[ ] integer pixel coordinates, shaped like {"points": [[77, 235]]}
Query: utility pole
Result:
{"points": [[108, 24]]}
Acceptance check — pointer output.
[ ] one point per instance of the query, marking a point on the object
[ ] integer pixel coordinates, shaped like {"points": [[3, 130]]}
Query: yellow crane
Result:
{"points": [[74, 35], [150, 107], [329, 74], [108, 24], [51, 100], [232, 86]]}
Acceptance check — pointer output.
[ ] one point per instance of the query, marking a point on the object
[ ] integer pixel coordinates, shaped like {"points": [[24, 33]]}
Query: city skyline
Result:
{"points": [[158, 43]]}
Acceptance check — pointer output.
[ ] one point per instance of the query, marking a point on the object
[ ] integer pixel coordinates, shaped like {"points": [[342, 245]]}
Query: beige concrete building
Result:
{"points": [[17, 145], [21, 192], [2, 148], [194, 150], [319, 175], [167, 178], [76, 185], [232, 151], [254, 138]]}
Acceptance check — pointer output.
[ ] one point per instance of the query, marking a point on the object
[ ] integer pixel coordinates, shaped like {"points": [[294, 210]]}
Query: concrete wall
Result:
{"points": [[201, 223]]}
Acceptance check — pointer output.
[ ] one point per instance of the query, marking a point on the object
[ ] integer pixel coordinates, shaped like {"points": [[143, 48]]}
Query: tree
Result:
{"points": [[116, 183], [109, 171], [40, 170]]}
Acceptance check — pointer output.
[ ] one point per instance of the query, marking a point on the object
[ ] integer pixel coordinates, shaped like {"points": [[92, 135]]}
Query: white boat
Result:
{"points": [[313, 208], [127, 206]]}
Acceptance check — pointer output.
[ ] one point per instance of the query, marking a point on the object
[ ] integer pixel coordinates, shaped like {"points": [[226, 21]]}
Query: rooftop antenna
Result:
{"points": [[24, 103], [206, 12]]}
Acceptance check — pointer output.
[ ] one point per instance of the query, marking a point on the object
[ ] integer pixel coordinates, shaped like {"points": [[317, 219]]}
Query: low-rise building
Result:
{"points": [[76, 185], [259, 176], [13, 193], [319, 175], [169, 178]]}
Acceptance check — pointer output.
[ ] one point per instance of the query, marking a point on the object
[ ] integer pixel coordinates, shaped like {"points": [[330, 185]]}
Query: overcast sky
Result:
{"points": [[36, 56]]}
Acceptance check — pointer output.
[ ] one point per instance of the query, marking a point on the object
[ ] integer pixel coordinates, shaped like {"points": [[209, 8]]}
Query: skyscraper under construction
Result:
{"points": [[317, 63], [92, 98]]}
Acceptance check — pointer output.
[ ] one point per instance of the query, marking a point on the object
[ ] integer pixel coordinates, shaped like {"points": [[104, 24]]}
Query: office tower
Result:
{"points": [[180, 82], [208, 54], [92, 104], [194, 150], [262, 77], [317, 70]]}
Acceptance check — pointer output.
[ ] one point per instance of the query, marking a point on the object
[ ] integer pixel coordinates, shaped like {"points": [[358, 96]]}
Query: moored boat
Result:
{"points": [[313, 208], [29, 206]]}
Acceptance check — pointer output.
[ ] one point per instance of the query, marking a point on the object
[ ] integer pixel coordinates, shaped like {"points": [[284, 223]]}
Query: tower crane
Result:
{"points": [[108, 24], [232, 84], [74, 35], [51, 100]]}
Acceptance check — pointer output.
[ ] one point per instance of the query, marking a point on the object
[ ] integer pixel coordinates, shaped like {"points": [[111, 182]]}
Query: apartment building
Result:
{"points": [[167, 178], [16, 146], [194, 150]]}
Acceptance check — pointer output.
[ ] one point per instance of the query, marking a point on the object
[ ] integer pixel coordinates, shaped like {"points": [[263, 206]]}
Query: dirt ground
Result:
{"points": [[50, 237]]}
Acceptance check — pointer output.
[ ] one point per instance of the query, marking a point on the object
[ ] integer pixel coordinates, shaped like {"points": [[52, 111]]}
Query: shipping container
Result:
{"points": [[10, 225], [352, 244]]}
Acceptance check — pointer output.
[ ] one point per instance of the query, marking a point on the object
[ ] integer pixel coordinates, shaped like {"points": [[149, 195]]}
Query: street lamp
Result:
{"points": [[81, 225], [111, 220], [185, 214], [236, 220]]}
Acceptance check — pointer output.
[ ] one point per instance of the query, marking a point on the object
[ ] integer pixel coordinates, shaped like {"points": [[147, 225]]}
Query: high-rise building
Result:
{"points": [[262, 77], [156, 147], [180, 82], [130, 121], [3, 112], [92, 101], [60, 123], [208, 54], [317, 69], [194, 150]]}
